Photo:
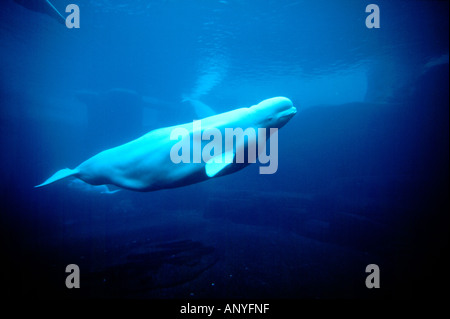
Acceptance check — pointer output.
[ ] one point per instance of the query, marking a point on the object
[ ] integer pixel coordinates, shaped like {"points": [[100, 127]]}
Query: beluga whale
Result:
{"points": [[189, 153]]}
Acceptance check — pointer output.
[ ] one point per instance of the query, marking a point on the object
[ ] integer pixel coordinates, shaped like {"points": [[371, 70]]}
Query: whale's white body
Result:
{"points": [[145, 164]]}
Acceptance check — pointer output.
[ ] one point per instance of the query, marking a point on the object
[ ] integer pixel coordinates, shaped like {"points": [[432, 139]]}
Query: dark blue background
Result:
{"points": [[363, 167]]}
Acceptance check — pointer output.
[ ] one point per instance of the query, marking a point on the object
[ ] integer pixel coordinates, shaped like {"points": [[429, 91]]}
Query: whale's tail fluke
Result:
{"points": [[59, 175]]}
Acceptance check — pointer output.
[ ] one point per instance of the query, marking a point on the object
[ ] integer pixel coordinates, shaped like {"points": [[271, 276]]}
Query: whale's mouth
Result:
{"points": [[289, 112]]}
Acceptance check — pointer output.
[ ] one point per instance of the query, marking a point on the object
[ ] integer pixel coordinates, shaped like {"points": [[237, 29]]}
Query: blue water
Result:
{"points": [[363, 166]]}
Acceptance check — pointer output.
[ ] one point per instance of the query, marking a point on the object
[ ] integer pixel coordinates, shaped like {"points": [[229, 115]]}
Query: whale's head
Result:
{"points": [[274, 112]]}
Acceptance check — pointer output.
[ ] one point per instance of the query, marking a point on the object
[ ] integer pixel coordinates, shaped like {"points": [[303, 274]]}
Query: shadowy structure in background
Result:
{"points": [[43, 6]]}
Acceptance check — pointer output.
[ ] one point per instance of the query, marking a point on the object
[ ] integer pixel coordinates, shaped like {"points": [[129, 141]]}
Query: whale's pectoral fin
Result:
{"points": [[218, 163], [59, 175]]}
